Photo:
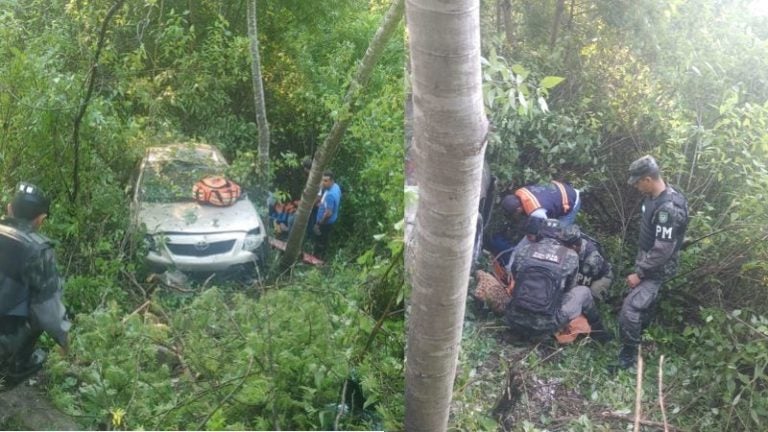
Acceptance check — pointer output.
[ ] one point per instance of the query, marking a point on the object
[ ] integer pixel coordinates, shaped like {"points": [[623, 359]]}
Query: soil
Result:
{"points": [[26, 407]]}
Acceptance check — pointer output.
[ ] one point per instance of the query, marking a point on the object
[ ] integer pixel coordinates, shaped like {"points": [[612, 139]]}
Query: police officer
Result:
{"points": [[30, 287], [595, 271], [546, 296], [663, 225]]}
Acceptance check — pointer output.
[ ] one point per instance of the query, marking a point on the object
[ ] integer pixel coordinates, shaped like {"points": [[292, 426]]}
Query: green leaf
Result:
{"points": [[549, 82]]}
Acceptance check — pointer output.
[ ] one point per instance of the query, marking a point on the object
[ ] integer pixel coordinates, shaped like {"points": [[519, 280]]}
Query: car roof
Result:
{"points": [[185, 151]]}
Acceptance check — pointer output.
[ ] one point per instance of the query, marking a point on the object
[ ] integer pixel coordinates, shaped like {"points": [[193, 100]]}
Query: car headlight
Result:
{"points": [[252, 239], [149, 242]]}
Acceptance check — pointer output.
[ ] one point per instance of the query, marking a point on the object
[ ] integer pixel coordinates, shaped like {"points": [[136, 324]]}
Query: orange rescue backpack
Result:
{"points": [[216, 190]]}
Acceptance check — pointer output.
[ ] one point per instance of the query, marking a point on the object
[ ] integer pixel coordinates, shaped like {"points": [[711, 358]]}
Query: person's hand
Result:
{"points": [[316, 229], [633, 280]]}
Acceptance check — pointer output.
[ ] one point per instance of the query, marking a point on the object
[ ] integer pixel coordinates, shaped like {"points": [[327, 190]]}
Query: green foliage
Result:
{"points": [[279, 360]]}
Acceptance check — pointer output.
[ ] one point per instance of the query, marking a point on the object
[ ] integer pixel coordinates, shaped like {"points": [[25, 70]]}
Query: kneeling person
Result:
{"points": [[546, 297], [595, 271], [30, 287]]}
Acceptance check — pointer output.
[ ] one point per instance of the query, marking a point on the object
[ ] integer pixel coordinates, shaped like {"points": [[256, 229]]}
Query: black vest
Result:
{"points": [[589, 247], [651, 206], [16, 248]]}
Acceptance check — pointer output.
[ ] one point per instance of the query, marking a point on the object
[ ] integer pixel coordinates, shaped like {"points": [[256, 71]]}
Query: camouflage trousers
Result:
{"points": [[637, 309], [17, 340], [578, 300]]}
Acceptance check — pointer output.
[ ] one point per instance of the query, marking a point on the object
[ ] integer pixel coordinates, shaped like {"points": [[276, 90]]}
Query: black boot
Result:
{"points": [[628, 356], [599, 332]]}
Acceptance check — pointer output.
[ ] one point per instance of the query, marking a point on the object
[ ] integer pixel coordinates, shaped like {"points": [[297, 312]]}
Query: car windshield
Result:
{"points": [[172, 180]]}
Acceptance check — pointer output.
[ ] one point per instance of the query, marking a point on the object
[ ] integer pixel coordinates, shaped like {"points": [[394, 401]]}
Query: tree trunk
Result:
{"points": [[258, 95], [332, 141], [556, 24], [449, 144], [508, 30]]}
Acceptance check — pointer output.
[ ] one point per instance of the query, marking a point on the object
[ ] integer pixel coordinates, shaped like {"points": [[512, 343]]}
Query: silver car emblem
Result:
{"points": [[201, 245]]}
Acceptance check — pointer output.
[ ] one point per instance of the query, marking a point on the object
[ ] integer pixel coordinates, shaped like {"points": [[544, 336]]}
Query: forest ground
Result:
{"points": [[27, 407]]}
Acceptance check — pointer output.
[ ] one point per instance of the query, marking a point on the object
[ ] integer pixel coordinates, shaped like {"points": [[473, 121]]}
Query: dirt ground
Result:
{"points": [[26, 407]]}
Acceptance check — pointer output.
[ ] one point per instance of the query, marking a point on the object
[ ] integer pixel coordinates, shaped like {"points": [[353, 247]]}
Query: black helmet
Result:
{"points": [[551, 228], [571, 235], [29, 202]]}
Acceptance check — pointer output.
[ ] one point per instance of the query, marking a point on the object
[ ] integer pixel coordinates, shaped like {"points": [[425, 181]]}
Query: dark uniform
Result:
{"points": [[594, 270], [30, 297], [535, 311], [662, 229]]}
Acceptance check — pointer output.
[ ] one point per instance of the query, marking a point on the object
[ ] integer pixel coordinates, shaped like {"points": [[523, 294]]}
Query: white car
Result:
{"points": [[183, 234]]}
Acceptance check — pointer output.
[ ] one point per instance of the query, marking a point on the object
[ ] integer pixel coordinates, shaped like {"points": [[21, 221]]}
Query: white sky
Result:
{"points": [[759, 7]]}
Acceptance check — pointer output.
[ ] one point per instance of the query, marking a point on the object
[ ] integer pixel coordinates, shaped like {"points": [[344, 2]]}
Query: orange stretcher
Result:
{"points": [[305, 257]]}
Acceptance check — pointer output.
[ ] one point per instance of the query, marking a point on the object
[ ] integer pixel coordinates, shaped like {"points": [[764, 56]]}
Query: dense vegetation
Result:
{"points": [[686, 81], [291, 353]]}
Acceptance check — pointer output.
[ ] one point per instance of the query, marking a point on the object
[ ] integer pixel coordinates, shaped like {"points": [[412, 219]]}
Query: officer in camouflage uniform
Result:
{"points": [[546, 296], [30, 287], [662, 229], [595, 271]]}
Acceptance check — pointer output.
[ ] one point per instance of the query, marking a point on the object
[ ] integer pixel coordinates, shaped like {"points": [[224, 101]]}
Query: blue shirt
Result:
{"points": [[331, 200]]}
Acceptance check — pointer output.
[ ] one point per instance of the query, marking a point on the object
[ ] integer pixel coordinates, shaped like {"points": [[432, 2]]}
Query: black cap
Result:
{"points": [[511, 203], [645, 166], [29, 202]]}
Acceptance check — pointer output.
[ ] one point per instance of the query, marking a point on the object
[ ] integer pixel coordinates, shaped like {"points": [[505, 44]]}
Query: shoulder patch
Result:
{"points": [[663, 216], [39, 238], [545, 256]]}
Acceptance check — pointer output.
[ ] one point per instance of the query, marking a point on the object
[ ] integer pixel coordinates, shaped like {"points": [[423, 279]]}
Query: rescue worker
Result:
{"points": [[546, 297], [595, 271], [662, 229], [30, 287], [327, 213], [556, 200]]}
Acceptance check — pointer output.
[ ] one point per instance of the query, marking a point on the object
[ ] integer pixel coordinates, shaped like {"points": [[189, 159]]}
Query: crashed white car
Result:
{"points": [[183, 234]]}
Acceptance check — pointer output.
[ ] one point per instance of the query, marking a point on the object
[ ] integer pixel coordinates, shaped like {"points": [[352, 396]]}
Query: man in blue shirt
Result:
{"points": [[327, 213]]}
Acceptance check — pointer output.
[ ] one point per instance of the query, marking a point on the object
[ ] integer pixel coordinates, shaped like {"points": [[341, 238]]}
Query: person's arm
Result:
{"points": [[330, 205], [540, 213], [47, 312]]}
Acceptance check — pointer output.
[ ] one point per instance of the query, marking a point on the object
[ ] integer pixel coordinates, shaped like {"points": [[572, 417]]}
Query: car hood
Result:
{"points": [[194, 218]]}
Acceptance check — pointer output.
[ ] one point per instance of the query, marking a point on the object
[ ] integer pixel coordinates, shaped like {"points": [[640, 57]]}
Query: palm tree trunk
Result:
{"points": [[449, 144], [258, 95], [332, 141]]}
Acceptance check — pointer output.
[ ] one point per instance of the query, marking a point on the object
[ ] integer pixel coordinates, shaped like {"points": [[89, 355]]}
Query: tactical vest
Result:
{"points": [[539, 282], [651, 206], [556, 198], [16, 248]]}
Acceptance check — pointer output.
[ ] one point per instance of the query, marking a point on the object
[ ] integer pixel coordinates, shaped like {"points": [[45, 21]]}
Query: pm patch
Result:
{"points": [[663, 217]]}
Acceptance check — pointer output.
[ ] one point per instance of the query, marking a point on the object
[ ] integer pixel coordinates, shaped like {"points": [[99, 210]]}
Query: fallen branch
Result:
{"points": [[611, 415], [135, 283], [661, 393], [340, 408], [138, 309], [639, 388]]}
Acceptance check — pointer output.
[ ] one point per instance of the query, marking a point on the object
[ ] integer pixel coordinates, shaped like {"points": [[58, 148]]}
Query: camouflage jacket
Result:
{"points": [[30, 285]]}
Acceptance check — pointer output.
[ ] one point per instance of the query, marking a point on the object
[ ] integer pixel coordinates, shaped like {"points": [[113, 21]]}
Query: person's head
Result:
{"points": [[29, 203], [551, 228], [512, 205], [327, 179], [306, 164], [532, 228], [572, 237], [645, 175]]}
